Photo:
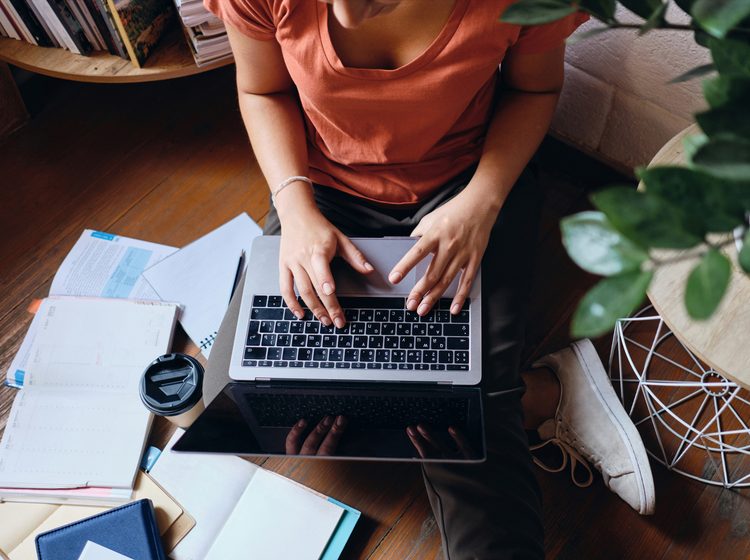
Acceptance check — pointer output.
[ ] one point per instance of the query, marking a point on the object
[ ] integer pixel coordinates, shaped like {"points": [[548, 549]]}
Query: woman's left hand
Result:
{"points": [[456, 234]]}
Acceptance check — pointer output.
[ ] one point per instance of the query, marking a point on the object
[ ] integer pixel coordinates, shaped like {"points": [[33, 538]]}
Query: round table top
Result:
{"points": [[171, 59], [723, 341]]}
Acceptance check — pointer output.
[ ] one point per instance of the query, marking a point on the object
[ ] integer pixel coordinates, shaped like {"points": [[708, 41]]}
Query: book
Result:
{"points": [[80, 12], [141, 24], [201, 276], [79, 422], [71, 27], [9, 26], [98, 18], [250, 512], [44, 9], [114, 32], [22, 522], [43, 23], [32, 23], [20, 23]]}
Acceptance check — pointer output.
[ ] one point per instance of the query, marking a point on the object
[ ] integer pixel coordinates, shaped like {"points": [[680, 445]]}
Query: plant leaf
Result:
{"points": [[535, 12], [611, 299], [731, 57], [729, 119], [722, 90], [727, 157], [655, 20], [646, 219], [643, 8], [692, 144], [706, 284], [603, 10], [693, 73], [718, 17], [709, 203], [685, 5], [597, 247], [744, 256]]}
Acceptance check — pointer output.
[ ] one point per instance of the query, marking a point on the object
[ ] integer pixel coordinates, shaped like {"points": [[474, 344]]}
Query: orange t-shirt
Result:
{"points": [[393, 136]]}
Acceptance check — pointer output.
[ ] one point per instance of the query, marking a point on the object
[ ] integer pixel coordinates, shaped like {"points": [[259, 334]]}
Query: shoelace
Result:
{"points": [[569, 454]]}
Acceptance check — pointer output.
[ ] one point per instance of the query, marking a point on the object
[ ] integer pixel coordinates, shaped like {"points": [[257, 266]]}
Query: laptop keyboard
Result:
{"points": [[379, 334], [391, 412]]}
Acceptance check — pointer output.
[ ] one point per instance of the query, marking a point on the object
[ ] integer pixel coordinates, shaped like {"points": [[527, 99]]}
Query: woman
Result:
{"points": [[390, 117]]}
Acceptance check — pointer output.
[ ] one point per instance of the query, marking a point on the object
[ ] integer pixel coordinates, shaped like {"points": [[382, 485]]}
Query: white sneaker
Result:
{"points": [[591, 426]]}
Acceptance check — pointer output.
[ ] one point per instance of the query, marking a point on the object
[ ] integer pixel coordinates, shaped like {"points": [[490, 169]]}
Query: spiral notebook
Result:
{"points": [[201, 277]]}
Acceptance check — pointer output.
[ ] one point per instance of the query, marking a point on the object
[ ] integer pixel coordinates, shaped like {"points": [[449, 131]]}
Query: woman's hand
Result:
{"points": [[308, 244], [456, 234]]}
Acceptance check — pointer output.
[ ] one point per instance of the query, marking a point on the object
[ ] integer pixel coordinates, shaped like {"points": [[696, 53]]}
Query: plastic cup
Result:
{"points": [[172, 386]]}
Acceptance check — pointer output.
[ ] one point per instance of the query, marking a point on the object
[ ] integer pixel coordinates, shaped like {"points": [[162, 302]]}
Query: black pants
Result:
{"points": [[491, 510]]}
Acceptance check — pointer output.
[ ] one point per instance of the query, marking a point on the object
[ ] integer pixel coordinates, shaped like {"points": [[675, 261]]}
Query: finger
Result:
{"points": [[286, 284], [436, 279], [419, 251], [349, 252], [333, 311], [320, 262], [427, 435], [294, 436], [309, 296], [417, 441], [310, 447], [461, 442], [331, 441], [464, 287]]}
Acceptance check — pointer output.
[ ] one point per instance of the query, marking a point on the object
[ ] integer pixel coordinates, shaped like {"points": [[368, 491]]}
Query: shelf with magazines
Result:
{"points": [[171, 59]]}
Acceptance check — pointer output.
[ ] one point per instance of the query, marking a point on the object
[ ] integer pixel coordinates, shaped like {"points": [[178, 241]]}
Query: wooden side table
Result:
{"points": [[171, 59], [685, 382]]}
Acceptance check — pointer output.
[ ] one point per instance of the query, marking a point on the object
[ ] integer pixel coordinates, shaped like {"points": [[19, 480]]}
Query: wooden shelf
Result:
{"points": [[171, 59]]}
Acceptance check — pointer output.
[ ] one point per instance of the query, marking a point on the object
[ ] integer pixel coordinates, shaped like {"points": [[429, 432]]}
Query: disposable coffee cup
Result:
{"points": [[172, 386]]}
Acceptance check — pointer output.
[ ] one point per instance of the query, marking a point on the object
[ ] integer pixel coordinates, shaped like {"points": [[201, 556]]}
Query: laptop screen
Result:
{"points": [[342, 420]]}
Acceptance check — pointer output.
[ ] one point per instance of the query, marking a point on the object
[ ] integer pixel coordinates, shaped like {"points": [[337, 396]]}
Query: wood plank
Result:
{"points": [[13, 112]]}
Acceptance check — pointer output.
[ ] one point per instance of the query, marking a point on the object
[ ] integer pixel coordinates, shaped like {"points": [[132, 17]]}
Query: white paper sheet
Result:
{"points": [[207, 486], [276, 519], [201, 276], [93, 551]]}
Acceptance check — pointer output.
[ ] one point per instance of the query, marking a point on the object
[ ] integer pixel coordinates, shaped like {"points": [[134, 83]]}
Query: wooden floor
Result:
{"points": [[168, 162]]}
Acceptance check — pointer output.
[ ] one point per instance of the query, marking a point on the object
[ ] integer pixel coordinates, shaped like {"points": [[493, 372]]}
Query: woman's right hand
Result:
{"points": [[309, 242]]}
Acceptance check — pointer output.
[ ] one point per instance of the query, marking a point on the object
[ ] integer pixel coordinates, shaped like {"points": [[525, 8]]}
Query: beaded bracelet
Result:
{"points": [[286, 182]]}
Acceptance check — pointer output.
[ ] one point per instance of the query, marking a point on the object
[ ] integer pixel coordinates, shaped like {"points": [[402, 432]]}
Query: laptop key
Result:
{"points": [[296, 327], [314, 340], [265, 363], [335, 354], [312, 327], [461, 357], [289, 354], [429, 356], [350, 315], [360, 342], [375, 342], [372, 328], [462, 317], [253, 340], [372, 301], [443, 316], [414, 356], [351, 355], [265, 326], [456, 329], [390, 342], [311, 364], [435, 329], [396, 315], [273, 354], [329, 341], [299, 340], [249, 363], [281, 327], [390, 365], [398, 355], [326, 330], [419, 329], [422, 342], [295, 364], [326, 365], [403, 329], [267, 313], [357, 328], [358, 365], [367, 355], [421, 366], [304, 354], [342, 365], [406, 342], [274, 301], [457, 367], [253, 327], [381, 315], [283, 339], [388, 328], [438, 367], [383, 356], [455, 343], [288, 315], [445, 357], [281, 363], [411, 316], [259, 301], [268, 340], [366, 315], [405, 366], [437, 343], [374, 366], [320, 355], [342, 330], [345, 342], [256, 353]]}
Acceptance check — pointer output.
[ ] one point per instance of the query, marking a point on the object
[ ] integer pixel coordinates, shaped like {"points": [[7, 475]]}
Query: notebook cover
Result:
{"points": [[130, 530]]}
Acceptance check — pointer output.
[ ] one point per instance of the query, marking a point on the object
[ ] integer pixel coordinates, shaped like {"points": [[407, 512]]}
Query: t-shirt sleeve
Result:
{"points": [[253, 18], [535, 39]]}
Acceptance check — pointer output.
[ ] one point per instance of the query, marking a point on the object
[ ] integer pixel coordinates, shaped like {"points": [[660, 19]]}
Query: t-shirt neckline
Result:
{"points": [[432, 50]]}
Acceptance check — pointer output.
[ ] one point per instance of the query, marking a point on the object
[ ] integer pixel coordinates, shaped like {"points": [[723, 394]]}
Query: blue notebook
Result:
{"points": [[129, 530]]}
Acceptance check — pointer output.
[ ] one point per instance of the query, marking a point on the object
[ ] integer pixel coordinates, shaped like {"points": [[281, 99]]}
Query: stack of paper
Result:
{"points": [[206, 33]]}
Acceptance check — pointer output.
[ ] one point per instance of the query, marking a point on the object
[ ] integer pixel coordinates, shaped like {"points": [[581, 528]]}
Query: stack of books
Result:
{"points": [[205, 33], [126, 28]]}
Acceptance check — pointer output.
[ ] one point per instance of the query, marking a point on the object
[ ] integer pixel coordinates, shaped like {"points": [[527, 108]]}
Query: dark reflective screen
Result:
{"points": [[362, 420]]}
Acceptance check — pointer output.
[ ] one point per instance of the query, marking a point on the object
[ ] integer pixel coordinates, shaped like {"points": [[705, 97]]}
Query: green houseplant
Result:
{"points": [[702, 206]]}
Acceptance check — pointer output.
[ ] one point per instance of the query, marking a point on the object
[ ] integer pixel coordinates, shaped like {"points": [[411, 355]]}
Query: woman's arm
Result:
{"points": [[457, 232], [273, 119]]}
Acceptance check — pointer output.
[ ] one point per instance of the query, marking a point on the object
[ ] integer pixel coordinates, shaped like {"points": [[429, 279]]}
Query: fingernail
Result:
{"points": [[327, 288], [451, 430], [340, 421], [301, 423], [339, 322], [327, 421], [411, 304], [423, 308], [299, 314], [395, 277], [369, 267], [455, 308], [411, 431], [326, 321]]}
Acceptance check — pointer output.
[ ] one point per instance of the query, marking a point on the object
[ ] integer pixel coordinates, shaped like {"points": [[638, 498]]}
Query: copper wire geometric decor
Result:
{"points": [[692, 420]]}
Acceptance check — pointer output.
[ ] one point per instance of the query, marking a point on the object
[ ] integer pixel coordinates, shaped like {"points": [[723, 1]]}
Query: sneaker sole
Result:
{"points": [[600, 382]]}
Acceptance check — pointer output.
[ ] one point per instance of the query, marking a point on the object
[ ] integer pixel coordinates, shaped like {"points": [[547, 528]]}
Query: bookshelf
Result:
{"points": [[170, 59]]}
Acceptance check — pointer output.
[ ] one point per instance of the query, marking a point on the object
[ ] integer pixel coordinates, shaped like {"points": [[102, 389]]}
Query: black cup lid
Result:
{"points": [[172, 384]]}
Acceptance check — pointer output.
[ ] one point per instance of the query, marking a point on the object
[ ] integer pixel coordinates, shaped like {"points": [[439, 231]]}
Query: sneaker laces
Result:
{"points": [[569, 455]]}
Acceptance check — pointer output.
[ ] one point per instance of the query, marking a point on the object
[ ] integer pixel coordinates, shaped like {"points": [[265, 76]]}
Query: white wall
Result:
{"points": [[617, 103]]}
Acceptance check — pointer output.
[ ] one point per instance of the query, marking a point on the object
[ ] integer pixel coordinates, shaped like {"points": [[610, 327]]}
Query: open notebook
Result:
{"points": [[78, 422]]}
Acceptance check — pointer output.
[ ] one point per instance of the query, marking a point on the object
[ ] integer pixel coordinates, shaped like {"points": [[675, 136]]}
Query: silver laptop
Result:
{"points": [[381, 342]]}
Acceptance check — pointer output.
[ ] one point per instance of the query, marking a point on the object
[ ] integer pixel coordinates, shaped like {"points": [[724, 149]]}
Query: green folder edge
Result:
{"points": [[340, 535]]}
